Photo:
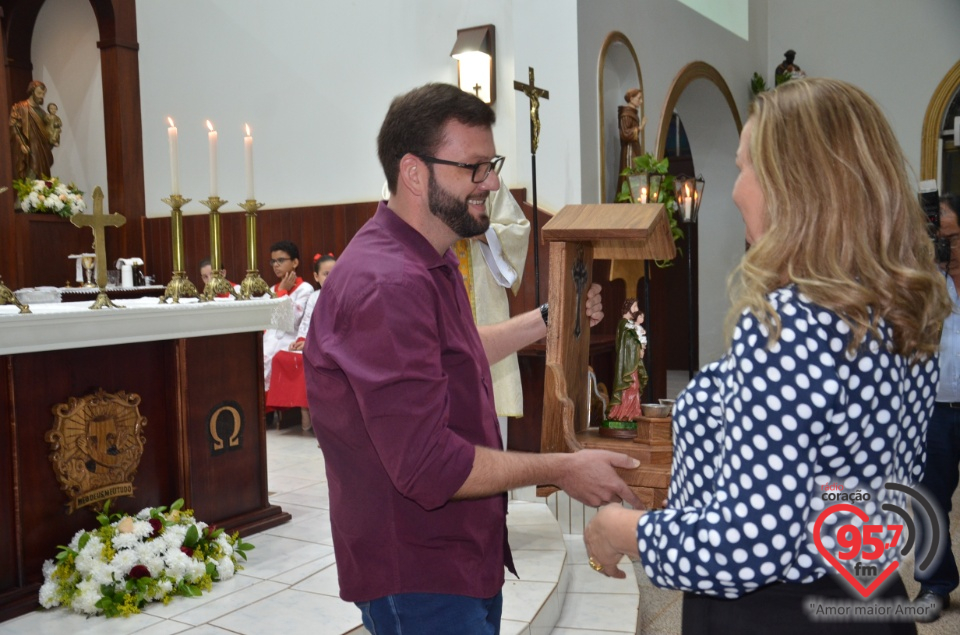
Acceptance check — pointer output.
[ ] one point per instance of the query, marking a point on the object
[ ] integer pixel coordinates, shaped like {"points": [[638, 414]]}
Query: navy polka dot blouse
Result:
{"points": [[760, 434]]}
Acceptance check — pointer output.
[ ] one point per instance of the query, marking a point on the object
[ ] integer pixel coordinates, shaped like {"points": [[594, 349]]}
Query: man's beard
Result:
{"points": [[454, 212]]}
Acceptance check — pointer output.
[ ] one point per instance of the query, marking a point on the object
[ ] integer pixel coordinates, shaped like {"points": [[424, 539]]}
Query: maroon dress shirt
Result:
{"points": [[400, 393]]}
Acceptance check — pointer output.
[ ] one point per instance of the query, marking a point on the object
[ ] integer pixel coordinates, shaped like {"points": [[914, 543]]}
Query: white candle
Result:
{"points": [[174, 158], [212, 138], [643, 195], [248, 162], [687, 203]]}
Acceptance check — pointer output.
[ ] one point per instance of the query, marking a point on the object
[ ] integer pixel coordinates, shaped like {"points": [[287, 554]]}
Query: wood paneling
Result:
{"points": [[180, 383]]}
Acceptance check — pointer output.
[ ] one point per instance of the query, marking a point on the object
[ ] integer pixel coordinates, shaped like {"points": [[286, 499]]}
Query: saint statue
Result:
{"points": [[54, 125], [631, 125], [787, 70], [30, 142], [630, 375]]}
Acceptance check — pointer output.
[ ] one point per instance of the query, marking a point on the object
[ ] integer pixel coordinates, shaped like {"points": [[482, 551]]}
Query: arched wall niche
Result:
{"points": [[688, 74], [700, 96], [119, 64], [933, 123], [618, 70]]}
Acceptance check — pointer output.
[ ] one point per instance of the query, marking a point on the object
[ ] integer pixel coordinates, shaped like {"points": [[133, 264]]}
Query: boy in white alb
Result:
{"points": [[285, 258]]}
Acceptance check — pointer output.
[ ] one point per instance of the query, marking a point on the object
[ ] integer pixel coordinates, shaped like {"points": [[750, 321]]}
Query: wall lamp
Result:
{"points": [[475, 52]]}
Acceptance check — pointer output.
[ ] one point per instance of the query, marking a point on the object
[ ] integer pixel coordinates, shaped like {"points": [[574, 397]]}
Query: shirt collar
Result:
{"points": [[413, 240]]}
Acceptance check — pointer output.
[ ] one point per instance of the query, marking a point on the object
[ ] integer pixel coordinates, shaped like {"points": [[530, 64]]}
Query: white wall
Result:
{"points": [[66, 59], [896, 51], [313, 80]]}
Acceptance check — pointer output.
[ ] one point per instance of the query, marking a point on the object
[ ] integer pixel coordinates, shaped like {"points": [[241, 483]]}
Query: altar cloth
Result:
{"points": [[74, 325]]}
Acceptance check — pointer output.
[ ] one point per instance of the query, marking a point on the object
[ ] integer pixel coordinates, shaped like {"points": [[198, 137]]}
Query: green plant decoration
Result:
{"points": [[648, 164]]}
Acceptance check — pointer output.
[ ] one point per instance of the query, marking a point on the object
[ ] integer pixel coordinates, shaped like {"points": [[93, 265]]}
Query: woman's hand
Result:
{"points": [[609, 536]]}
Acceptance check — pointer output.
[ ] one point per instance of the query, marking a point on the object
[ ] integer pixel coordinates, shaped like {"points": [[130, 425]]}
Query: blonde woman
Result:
{"points": [[828, 383]]}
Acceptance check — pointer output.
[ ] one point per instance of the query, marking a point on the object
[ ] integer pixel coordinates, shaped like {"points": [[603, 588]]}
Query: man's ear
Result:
{"points": [[413, 175]]}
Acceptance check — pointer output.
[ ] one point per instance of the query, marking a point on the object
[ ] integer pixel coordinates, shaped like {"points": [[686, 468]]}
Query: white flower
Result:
{"points": [[225, 568], [48, 594]]}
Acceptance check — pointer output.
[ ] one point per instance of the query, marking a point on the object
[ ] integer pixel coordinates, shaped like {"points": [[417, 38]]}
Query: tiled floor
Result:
{"points": [[290, 584]]}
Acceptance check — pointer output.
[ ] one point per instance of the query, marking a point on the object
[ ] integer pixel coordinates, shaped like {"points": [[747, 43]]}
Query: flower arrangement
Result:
{"points": [[131, 560], [36, 196]]}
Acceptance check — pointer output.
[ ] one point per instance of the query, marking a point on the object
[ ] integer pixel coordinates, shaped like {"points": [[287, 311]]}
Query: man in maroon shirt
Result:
{"points": [[398, 380]]}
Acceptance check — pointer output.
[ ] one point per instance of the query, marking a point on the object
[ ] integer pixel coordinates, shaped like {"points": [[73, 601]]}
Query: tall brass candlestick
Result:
{"points": [[218, 285], [253, 284], [179, 286]]}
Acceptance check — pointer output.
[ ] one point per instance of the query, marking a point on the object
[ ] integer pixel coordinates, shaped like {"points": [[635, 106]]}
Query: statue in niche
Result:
{"points": [[631, 124], [54, 125], [630, 375], [30, 142], [787, 69]]}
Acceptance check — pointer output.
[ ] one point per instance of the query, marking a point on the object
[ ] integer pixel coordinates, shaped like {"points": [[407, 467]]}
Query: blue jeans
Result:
{"points": [[432, 614], [940, 478]]}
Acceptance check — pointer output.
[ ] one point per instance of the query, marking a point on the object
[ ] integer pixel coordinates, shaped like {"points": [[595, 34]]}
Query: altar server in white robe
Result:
{"points": [[285, 258]]}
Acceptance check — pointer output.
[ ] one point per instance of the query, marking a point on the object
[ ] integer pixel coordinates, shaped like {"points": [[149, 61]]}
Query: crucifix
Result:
{"points": [[97, 222], [534, 93], [476, 89]]}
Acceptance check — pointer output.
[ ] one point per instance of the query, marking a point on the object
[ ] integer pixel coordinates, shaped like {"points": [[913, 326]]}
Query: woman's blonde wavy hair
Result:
{"points": [[842, 220]]}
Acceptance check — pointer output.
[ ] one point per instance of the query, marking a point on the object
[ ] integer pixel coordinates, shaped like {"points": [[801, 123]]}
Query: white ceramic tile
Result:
{"points": [[528, 513], [229, 603], [293, 612], [576, 550], [539, 537], [538, 566], [578, 631], [576, 517], [546, 618], [528, 493], [315, 495], [323, 582], [510, 627], [274, 555], [616, 613], [304, 571], [584, 579], [552, 504], [61, 620], [563, 512], [314, 527], [180, 605], [166, 627], [522, 600], [205, 629]]}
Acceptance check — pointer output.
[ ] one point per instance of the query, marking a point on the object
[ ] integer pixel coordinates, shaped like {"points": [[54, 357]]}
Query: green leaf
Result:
{"points": [[177, 504], [192, 537], [84, 539]]}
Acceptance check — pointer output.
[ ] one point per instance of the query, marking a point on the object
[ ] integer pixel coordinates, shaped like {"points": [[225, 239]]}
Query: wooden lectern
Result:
{"points": [[578, 235]]}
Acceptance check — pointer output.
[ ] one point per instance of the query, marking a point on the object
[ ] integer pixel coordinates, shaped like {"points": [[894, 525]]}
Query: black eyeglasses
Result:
{"points": [[279, 261], [480, 170]]}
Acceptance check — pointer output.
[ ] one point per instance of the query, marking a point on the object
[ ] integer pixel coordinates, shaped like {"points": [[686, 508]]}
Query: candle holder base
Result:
{"points": [[7, 297], [254, 286], [103, 301], [218, 286], [179, 287]]}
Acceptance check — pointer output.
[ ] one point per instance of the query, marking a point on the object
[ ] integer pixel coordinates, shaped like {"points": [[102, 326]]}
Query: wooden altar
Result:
{"points": [[578, 234], [198, 371]]}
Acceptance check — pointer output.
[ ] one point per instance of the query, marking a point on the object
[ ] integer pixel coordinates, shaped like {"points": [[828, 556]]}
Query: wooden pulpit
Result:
{"points": [[578, 235]]}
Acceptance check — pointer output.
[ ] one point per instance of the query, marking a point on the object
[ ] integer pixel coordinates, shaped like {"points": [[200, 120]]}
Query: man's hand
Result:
{"points": [[590, 478], [594, 306]]}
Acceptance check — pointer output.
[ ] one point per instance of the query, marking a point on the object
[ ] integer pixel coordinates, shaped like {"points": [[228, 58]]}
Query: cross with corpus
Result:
{"points": [[534, 93], [97, 222]]}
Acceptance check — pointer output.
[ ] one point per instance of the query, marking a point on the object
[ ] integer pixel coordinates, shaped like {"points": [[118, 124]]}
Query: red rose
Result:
{"points": [[188, 551], [138, 572], [157, 526]]}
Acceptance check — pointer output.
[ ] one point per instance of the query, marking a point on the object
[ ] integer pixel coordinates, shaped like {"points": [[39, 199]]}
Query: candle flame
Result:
{"points": [[247, 126], [209, 126], [170, 121], [686, 189]]}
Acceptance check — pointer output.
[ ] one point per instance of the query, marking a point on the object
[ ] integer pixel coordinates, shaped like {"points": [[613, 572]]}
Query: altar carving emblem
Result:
{"points": [[95, 447]]}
